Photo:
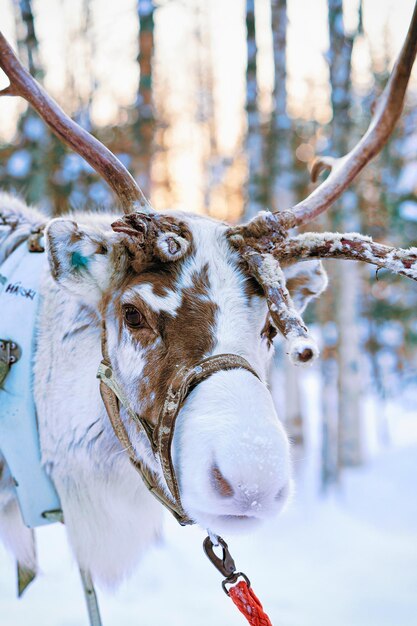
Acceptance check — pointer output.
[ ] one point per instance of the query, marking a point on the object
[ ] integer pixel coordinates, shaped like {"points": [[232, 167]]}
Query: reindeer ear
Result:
{"points": [[79, 258], [305, 280]]}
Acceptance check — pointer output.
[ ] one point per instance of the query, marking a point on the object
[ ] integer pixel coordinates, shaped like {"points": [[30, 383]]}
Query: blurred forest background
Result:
{"points": [[219, 108]]}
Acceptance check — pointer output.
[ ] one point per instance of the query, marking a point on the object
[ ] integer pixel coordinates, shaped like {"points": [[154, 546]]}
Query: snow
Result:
{"points": [[72, 166], [348, 559], [407, 181], [391, 334], [397, 260], [408, 210], [34, 128], [19, 164], [98, 193]]}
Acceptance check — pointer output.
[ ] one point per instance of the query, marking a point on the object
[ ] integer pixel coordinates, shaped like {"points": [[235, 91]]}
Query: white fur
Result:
{"points": [[314, 275], [110, 516], [228, 420], [168, 304], [16, 223], [15, 535]]}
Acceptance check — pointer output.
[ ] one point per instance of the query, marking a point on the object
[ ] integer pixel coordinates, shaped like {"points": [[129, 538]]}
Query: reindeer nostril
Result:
{"points": [[282, 493], [220, 484]]}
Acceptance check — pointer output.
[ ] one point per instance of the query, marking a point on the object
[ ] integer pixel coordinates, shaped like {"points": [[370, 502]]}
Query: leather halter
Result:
{"points": [[160, 435]]}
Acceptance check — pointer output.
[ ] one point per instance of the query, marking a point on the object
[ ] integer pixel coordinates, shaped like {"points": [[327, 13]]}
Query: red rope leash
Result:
{"points": [[248, 604], [241, 593]]}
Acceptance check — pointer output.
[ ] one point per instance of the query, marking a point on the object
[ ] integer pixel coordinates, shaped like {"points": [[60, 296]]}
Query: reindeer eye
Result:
{"points": [[133, 317]]}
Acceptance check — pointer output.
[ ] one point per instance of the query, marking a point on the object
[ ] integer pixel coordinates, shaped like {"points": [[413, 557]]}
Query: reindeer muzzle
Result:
{"points": [[160, 436]]}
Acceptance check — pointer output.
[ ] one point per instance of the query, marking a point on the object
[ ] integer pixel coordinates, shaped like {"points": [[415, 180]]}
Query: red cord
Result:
{"points": [[248, 604]]}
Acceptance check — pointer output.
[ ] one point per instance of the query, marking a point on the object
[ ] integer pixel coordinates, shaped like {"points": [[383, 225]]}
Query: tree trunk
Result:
{"points": [[281, 195], [350, 367], [33, 135], [254, 147], [329, 396], [27, 41], [348, 274], [206, 114], [281, 176], [163, 184], [293, 417], [145, 122]]}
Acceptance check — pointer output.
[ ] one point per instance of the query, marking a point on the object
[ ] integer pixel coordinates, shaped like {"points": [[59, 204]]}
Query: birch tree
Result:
{"points": [[281, 192], [27, 40], [281, 155], [211, 163], [345, 218], [28, 161], [145, 122], [163, 186], [254, 143]]}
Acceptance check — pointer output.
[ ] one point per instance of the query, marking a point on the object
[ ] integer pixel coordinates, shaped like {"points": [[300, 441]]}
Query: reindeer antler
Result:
{"points": [[263, 242], [105, 163], [266, 235], [348, 246]]}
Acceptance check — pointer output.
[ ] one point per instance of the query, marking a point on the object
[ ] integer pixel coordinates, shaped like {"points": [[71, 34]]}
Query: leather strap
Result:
{"points": [[160, 437], [184, 381], [149, 478]]}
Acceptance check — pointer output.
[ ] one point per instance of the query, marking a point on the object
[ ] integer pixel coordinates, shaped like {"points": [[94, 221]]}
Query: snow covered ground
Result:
{"points": [[346, 560]]}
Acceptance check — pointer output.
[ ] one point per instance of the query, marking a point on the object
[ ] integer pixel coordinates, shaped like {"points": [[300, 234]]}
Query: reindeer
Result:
{"points": [[180, 311]]}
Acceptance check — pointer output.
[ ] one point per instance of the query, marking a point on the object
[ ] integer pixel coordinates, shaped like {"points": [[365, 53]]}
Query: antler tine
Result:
{"points": [[302, 348], [263, 242], [105, 163], [345, 169], [350, 246]]}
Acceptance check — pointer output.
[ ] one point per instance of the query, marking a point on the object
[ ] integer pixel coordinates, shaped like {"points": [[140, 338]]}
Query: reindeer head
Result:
{"points": [[172, 291], [175, 288]]}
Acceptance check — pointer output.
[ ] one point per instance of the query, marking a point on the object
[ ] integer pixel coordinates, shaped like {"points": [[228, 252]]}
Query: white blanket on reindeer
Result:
{"points": [[19, 439]]}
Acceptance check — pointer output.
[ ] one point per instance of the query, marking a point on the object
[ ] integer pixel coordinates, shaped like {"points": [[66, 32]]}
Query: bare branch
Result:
{"points": [[78, 139], [350, 246], [266, 269]]}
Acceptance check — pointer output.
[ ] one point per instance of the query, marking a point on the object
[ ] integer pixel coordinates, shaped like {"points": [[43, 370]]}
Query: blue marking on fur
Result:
{"points": [[78, 260]]}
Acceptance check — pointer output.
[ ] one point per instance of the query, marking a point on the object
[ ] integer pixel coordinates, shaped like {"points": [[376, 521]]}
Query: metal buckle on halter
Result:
{"points": [[34, 241], [9, 354], [224, 564], [105, 374]]}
